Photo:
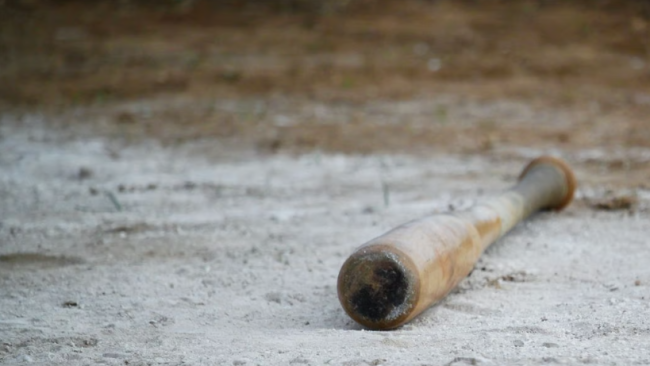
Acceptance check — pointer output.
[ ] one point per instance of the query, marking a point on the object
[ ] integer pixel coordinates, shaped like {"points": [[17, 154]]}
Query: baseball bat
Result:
{"points": [[393, 278]]}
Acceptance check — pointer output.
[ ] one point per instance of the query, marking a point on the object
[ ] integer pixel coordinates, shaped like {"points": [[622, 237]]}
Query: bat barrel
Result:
{"points": [[393, 278]]}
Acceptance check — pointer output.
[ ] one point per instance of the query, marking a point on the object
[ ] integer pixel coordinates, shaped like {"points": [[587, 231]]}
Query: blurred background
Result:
{"points": [[180, 181], [353, 76]]}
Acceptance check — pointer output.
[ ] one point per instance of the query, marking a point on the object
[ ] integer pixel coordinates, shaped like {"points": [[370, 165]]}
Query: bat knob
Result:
{"points": [[569, 182]]}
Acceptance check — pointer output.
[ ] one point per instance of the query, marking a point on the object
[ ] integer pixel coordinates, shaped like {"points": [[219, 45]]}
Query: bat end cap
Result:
{"points": [[571, 181], [377, 289]]}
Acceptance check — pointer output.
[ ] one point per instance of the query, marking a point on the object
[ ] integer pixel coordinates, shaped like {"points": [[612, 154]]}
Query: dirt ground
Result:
{"points": [[180, 182]]}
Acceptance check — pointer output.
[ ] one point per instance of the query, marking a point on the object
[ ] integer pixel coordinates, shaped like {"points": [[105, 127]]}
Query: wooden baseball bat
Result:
{"points": [[393, 278]]}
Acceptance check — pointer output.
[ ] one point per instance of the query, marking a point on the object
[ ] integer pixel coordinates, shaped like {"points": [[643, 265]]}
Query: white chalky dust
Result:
{"points": [[234, 262]]}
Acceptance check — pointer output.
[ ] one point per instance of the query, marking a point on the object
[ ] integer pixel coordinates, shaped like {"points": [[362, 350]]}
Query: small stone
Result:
{"points": [[275, 297], [550, 345], [90, 342], [238, 362], [112, 355], [637, 283], [27, 359], [518, 343], [299, 360], [84, 173], [623, 202]]}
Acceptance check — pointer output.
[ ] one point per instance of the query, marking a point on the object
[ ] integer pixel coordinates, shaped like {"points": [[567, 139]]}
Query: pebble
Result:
{"points": [[518, 343], [273, 297], [113, 355]]}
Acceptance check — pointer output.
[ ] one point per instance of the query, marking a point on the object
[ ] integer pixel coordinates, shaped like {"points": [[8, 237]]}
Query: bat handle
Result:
{"points": [[545, 183]]}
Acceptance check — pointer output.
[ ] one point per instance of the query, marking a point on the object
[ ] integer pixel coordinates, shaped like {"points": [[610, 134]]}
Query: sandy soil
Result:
{"points": [[138, 253], [182, 185]]}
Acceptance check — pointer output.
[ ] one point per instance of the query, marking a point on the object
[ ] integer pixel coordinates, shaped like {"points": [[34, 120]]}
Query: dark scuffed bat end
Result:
{"points": [[377, 288]]}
